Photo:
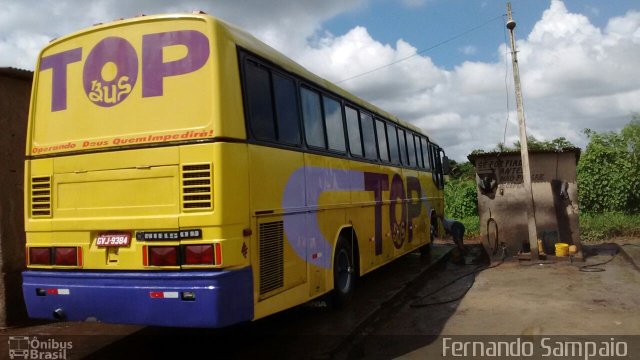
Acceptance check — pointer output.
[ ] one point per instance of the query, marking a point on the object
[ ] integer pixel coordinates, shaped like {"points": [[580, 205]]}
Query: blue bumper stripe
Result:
{"points": [[221, 298]]}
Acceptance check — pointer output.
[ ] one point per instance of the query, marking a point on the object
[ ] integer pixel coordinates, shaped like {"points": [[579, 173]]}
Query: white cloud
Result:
{"points": [[468, 50], [413, 3], [575, 75], [284, 24], [593, 10]]}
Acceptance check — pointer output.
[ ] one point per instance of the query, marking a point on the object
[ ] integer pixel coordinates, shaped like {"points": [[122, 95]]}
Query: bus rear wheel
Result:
{"points": [[344, 274]]}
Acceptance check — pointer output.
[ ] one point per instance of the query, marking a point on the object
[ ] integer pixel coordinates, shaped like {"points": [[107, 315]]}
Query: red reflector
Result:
{"points": [[52, 291], [198, 255], [40, 256], [66, 256], [156, 294], [218, 253], [145, 256], [163, 255]]}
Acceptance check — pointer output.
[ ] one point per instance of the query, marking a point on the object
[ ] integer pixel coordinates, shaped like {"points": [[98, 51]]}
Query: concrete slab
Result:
{"points": [[306, 330], [544, 299]]}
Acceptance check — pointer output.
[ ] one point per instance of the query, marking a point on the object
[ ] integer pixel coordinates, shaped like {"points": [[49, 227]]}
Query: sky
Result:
{"points": [[443, 65]]}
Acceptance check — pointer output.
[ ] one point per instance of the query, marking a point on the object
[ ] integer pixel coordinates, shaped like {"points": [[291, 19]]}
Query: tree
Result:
{"points": [[464, 170], [557, 144], [609, 170], [461, 199]]}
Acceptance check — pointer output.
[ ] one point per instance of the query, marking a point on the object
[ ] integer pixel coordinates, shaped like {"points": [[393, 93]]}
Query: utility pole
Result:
{"points": [[524, 149]]}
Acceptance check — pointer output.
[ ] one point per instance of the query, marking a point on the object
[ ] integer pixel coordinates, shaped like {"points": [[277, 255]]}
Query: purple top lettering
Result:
{"points": [[109, 92], [58, 64], [154, 70]]}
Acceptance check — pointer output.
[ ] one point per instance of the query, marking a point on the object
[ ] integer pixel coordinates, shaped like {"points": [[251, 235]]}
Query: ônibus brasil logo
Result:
{"points": [[25, 347]]}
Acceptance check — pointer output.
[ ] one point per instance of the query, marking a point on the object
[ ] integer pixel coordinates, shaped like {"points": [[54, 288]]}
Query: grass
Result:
{"points": [[593, 227], [471, 226]]}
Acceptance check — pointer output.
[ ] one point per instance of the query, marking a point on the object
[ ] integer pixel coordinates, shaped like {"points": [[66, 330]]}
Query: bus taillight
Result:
{"points": [[163, 255], [218, 253], [198, 255], [65, 256], [39, 256]]}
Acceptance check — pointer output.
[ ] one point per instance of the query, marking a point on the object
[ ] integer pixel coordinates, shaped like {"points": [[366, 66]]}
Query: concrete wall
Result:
{"points": [[501, 204], [15, 90]]}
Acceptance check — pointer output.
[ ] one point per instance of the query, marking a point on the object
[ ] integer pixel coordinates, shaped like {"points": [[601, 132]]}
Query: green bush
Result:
{"points": [[609, 171], [460, 199], [471, 225]]}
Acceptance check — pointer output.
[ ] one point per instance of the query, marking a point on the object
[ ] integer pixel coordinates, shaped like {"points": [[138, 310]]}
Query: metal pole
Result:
{"points": [[524, 149]]}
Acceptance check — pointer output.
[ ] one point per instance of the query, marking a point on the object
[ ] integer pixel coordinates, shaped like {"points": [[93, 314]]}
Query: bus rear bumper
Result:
{"points": [[184, 299]]}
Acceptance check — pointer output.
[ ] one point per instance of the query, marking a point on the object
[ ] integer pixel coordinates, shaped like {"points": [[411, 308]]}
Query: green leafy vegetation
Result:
{"points": [[608, 182], [603, 226], [557, 144], [609, 171], [461, 200]]}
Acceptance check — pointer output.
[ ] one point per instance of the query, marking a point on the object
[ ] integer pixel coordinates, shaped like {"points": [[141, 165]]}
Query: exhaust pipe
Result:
{"points": [[59, 314]]}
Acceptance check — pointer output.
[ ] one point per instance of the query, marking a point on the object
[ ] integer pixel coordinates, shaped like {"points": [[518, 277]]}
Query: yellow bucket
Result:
{"points": [[562, 249]]}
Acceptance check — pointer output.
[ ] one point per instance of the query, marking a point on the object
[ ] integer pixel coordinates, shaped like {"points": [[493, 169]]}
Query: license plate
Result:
{"points": [[112, 239]]}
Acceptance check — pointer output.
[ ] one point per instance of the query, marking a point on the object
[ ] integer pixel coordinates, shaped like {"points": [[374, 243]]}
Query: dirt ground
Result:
{"points": [[536, 299], [410, 319]]}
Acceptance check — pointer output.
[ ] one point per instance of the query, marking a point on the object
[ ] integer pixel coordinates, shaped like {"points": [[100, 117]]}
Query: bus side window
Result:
{"points": [[392, 134], [382, 141], [438, 171], [411, 147], [403, 147], [432, 149], [434, 160], [259, 101], [288, 119], [353, 130], [419, 151], [334, 123], [368, 137], [312, 115], [425, 153]]}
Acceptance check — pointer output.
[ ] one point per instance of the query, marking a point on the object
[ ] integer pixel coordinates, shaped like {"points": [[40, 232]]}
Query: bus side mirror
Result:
{"points": [[446, 167]]}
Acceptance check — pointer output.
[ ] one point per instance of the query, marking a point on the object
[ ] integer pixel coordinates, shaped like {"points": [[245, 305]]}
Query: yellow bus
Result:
{"points": [[180, 172]]}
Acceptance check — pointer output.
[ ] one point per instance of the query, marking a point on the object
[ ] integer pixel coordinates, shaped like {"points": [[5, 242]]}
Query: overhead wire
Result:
{"points": [[422, 51]]}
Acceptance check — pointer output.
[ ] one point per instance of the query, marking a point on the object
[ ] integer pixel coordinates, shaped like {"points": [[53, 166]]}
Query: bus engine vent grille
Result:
{"points": [[41, 196], [196, 187], [271, 256]]}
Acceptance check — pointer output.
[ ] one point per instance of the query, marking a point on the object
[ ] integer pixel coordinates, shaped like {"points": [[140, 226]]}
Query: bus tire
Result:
{"points": [[344, 274], [425, 250]]}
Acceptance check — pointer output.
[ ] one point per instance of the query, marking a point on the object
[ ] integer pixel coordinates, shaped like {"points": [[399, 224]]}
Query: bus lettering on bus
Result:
{"points": [[110, 70]]}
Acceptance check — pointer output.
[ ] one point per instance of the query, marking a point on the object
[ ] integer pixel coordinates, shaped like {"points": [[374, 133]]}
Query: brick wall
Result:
{"points": [[15, 91]]}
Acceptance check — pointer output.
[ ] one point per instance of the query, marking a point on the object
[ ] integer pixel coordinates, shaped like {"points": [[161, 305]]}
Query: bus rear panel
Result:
{"points": [[124, 180]]}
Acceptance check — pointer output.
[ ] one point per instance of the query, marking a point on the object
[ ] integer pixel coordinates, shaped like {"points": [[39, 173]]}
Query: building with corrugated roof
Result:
{"points": [[502, 199]]}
